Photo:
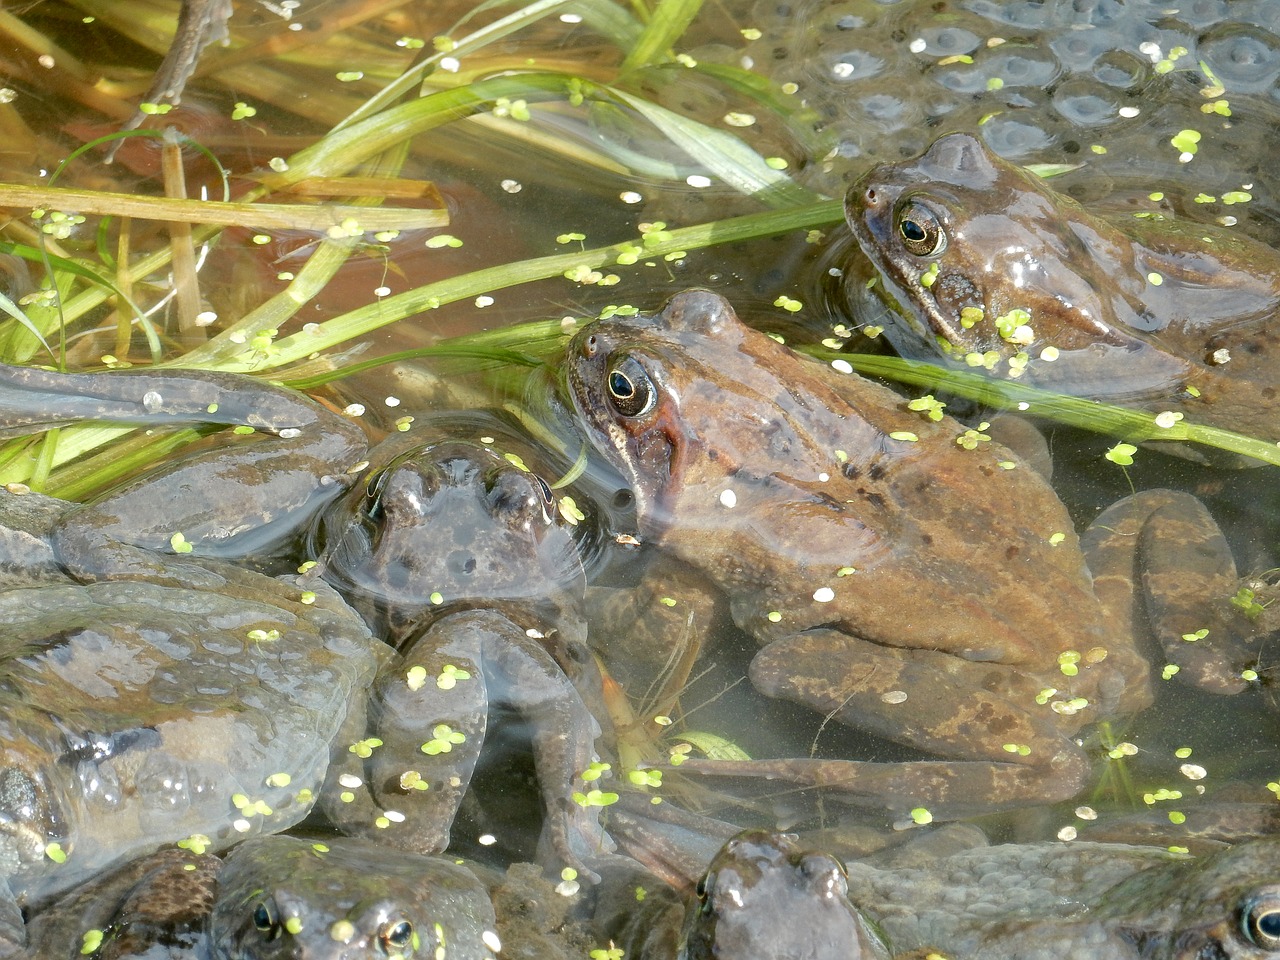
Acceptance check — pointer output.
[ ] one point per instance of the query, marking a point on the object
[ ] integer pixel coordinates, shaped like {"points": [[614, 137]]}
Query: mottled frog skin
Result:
{"points": [[1167, 315], [894, 579], [454, 554], [135, 714], [275, 897], [1080, 901]]}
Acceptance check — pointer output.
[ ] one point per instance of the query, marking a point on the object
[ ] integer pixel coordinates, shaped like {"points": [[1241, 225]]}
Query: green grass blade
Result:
{"points": [[722, 154], [222, 353], [13, 310], [386, 98], [671, 18], [1133, 426]]}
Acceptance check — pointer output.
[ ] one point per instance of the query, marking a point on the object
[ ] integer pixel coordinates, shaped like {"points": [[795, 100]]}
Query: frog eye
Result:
{"points": [[267, 919], [396, 937], [826, 875], [373, 485], [630, 388], [548, 498], [921, 230], [1260, 920], [704, 885]]}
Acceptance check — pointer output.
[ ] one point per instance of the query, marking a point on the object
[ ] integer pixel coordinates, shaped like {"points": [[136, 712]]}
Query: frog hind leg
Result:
{"points": [[1166, 541], [998, 754], [938, 789], [298, 458]]}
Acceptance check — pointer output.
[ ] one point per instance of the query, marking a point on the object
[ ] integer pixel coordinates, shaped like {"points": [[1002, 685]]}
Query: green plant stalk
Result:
{"points": [[221, 353], [347, 146], [1124, 423], [277, 216], [667, 24]]}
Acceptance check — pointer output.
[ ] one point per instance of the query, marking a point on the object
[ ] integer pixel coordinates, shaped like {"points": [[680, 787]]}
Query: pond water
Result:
{"points": [[573, 137]]}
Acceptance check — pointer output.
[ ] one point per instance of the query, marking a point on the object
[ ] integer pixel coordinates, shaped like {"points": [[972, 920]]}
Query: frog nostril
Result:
{"points": [[871, 198], [590, 346]]}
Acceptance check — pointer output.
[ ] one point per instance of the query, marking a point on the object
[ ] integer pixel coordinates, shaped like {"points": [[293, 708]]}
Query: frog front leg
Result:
{"points": [[224, 501], [1002, 741], [409, 765], [431, 715]]}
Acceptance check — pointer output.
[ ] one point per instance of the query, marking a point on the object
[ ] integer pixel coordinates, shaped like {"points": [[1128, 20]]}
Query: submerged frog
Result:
{"points": [[227, 500], [468, 559], [895, 579], [981, 257], [458, 556], [279, 897], [1082, 901], [763, 895], [137, 714]]}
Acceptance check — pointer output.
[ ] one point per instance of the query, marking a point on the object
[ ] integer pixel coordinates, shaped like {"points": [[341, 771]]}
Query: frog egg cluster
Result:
{"points": [[1055, 81]]}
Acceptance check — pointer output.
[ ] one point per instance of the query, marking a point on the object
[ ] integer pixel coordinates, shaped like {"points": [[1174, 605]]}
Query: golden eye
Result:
{"points": [[267, 919], [396, 938], [630, 388], [1260, 920], [921, 230]]}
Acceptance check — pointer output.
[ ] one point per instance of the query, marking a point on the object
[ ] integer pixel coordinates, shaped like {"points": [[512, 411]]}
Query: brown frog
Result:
{"points": [[979, 256], [894, 578]]}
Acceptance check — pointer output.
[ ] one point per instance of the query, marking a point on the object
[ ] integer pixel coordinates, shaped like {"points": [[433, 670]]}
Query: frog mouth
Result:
{"points": [[868, 211]]}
